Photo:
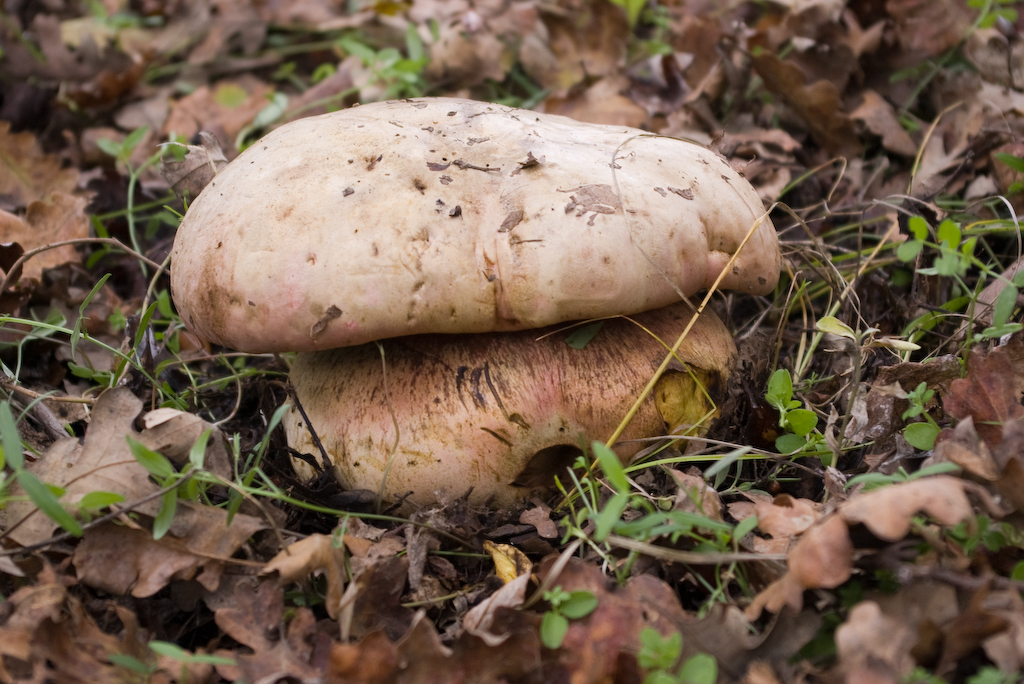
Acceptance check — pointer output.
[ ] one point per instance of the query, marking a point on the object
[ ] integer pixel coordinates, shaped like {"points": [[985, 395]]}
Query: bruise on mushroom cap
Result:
{"points": [[501, 413], [451, 216]]}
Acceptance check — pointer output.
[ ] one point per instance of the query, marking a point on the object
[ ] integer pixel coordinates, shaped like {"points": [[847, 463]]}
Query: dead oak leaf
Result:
{"points": [[880, 118], [1006, 649], [785, 517], [929, 26], [28, 173], [255, 619], [193, 172], [229, 106], [372, 660], [989, 393], [822, 558], [818, 104], [602, 102], [56, 218], [889, 511], [481, 618], [963, 447], [120, 559], [871, 639], [594, 646], [584, 40], [102, 462], [314, 554], [50, 630]]}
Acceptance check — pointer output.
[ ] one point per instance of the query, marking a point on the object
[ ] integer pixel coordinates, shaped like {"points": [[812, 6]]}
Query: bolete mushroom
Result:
{"points": [[428, 216], [501, 413]]}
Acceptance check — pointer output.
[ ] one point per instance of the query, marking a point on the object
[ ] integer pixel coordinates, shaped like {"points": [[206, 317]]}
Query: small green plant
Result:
{"points": [[801, 424], [986, 675], [1017, 164], [992, 11], [920, 435], [565, 606], [876, 480], [399, 76], [659, 655], [633, 9], [955, 257], [983, 531], [168, 650]]}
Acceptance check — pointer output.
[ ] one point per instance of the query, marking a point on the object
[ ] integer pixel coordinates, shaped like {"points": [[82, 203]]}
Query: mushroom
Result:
{"points": [[501, 413], [430, 216], [453, 216]]}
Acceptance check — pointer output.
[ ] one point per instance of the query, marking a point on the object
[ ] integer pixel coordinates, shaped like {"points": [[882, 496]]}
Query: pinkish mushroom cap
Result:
{"points": [[454, 216]]}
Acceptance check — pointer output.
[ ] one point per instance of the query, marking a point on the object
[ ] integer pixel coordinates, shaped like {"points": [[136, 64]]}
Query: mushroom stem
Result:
{"points": [[503, 413]]}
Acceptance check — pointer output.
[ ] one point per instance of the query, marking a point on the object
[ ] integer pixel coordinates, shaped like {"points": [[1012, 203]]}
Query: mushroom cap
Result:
{"points": [[499, 412], [442, 215]]}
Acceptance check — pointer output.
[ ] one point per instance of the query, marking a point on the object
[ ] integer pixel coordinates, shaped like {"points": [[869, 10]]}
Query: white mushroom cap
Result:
{"points": [[500, 412], [444, 215]]}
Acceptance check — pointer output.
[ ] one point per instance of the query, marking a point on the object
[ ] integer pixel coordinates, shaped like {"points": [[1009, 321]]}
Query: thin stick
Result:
{"points": [[690, 557], [679, 341], [77, 241]]}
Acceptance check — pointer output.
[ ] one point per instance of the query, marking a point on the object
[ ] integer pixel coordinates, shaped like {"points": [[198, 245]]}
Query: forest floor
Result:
{"points": [[854, 514]]}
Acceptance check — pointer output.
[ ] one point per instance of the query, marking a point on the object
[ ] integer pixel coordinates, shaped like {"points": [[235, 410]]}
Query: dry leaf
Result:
{"points": [[889, 511], [963, 447], [227, 108], [27, 173], [509, 562], [314, 554], [120, 559], [989, 393], [584, 39], [817, 104], [880, 118], [58, 217], [694, 495], [479, 620], [930, 26], [189, 176], [871, 639], [44, 624], [785, 517], [823, 557], [540, 517], [602, 103], [253, 619], [102, 462]]}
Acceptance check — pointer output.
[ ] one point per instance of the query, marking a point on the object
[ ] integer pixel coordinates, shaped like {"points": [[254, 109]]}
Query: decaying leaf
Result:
{"points": [[316, 553], [200, 164], [28, 174], [872, 644], [785, 517], [57, 217], [889, 511], [53, 635], [818, 104], [880, 118], [480, 619], [540, 517], [254, 620], [122, 560], [823, 557], [224, 109], [988, 394], [102, 462]]}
